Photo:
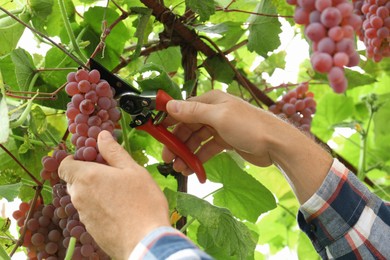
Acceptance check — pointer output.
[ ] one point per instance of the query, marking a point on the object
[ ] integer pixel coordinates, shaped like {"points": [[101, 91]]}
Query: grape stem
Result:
{"points": [[70, 250], [29, 215], [69, 30], [363, 147]]}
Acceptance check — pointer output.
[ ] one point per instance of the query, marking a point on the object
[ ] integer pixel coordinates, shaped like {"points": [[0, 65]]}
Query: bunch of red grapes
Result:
{"points": [[297, 106], [331, 26], [375, 32], [50, 227]]}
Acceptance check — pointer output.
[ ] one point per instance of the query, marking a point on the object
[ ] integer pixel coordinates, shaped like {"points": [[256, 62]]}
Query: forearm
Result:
{"points": [[304, 162]]}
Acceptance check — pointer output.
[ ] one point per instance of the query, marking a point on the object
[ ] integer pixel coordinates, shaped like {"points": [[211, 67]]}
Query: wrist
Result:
{"points": [[304, 162]]}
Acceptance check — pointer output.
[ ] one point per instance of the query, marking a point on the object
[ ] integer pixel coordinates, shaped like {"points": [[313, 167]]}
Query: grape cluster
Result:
{"points": [[91, 110], [50, 226], [330, 25], [297, 106], [375, 32]]}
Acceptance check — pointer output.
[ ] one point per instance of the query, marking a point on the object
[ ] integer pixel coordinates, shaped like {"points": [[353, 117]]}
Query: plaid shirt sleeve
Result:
{"points": [[167, 243], [344, 220]]}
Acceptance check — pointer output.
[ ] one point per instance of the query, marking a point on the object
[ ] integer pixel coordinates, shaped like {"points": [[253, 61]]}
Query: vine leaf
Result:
{"points": [[10, 33], [11, 191], [24, 68], [218, 227], [169, 59], [159, 79], [248, 205], [381, 127], [264, 31], [332, 109], [4, 120], [205, 8], [219, 70]]}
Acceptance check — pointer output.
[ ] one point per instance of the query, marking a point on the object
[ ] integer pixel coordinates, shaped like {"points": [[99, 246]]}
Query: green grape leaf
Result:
{"points": [[169, 59], [218, 227], [159, 79], [264, 31], [38, 120], [24, 68], [10, 33], [3, 254], [219, 69], [11, 191], [231, 32], [7, 69], [140, 33], [332, 109], [40, 10], [275, 60], [4, 119], [305, 248], [205, 8], [54, 22], [223, 169]]}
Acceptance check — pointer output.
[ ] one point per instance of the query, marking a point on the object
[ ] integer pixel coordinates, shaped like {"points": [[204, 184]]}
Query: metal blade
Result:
{"points": [[117, 83]]}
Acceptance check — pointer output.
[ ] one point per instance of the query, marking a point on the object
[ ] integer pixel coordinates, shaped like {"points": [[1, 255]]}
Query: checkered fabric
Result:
{"points": [[167, 243], [344, 220]]}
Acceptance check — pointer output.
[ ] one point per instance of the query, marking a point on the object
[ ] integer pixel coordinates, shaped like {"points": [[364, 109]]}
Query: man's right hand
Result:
{"points": [[215, 121]]}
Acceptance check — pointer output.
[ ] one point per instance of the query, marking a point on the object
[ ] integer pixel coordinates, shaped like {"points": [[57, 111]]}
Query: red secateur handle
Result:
{"points": [[161, 134]]}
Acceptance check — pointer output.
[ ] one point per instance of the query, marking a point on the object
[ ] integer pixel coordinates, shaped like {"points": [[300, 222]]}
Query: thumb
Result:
{"points": [[112, 152], [191, 111]]}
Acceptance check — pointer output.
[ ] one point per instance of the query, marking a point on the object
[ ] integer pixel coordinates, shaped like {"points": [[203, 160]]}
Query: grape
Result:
{"points": [[87, 107], [94, 76], [331, 17], [71, 88], [103, 89], [81, 75], [84, 86], [301, 16], [340, 59], [315, 31], [322, 62], [50, 164], [90, 154], [37, 239], [104, 103]]}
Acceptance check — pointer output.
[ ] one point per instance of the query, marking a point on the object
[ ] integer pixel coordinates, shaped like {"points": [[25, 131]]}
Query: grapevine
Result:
{"points": [[330, 25]]}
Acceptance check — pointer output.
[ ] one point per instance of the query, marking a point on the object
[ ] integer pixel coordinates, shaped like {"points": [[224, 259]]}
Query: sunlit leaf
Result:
{"points": [[11, 191]]}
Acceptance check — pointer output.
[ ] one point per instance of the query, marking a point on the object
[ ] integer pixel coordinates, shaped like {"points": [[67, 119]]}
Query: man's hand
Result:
{"points": [[120, 203], [215, 121]]}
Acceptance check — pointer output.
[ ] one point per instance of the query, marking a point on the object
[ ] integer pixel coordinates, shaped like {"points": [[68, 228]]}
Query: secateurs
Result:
{"points": [[141, 107]]}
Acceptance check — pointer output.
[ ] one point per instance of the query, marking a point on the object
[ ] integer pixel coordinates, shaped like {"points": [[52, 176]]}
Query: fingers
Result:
{"points": [[191, 111], [112, 152], [69, 169]]}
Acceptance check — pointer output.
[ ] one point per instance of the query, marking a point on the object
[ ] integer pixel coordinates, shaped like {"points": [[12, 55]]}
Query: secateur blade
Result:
{"points": [[117, 83]]}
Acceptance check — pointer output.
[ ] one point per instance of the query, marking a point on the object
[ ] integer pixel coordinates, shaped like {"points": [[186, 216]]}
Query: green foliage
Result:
{"points": [[264, 31], [253, 206], [256, 200]]}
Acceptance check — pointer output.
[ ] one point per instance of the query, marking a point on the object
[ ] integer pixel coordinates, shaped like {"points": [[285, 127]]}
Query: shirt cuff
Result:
{"points": [[334, 208], [166, 243]]}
